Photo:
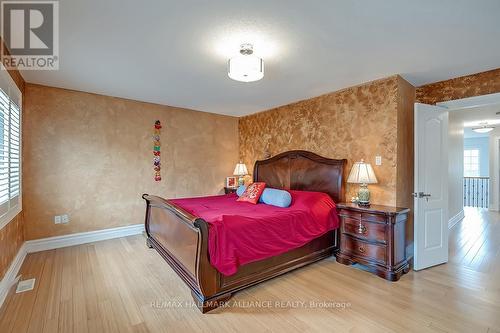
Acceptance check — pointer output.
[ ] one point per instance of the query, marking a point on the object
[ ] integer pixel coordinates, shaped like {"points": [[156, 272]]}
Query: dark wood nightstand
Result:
{"points": [[228, 190], [374, 236]]}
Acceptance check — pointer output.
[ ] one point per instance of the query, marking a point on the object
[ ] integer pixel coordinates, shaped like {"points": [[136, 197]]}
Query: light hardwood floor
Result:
{"points": [[121, 286]]}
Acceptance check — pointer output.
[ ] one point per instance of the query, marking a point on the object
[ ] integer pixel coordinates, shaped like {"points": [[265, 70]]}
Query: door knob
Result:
{"points": [[422, 195]]}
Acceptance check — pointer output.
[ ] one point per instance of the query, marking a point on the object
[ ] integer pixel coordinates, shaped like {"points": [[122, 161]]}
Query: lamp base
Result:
{"points": [[363, 195], [241, 181]]}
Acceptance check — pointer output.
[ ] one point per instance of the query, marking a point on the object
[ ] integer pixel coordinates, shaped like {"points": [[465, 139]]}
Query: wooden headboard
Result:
{"points": [[303, 170]]}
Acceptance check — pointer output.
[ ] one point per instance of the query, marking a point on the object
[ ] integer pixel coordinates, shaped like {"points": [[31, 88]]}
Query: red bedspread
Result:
{"points": [[241, 232]]}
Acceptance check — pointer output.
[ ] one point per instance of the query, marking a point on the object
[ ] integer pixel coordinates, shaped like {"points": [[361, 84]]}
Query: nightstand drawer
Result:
{"points": [[374, 217], [373, 252], [351, 214], [365, 230]]}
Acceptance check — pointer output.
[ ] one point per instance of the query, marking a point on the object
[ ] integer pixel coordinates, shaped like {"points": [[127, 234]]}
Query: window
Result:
{"points": [[10, 148], [471, 163]]}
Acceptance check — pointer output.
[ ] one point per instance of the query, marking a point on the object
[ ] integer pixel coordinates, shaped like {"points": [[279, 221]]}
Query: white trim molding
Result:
{"points": [[455, 219], [56, 242], [471, 102], [10, 277], [51, 243]]}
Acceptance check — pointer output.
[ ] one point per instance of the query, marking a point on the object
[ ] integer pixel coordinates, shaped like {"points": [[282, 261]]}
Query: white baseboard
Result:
{"points": [[56, 242], [51, 243], [10, 276], [455, 219]]}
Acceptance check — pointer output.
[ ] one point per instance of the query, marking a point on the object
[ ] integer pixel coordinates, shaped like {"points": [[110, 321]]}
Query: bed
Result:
{"points": [[182, 238]]}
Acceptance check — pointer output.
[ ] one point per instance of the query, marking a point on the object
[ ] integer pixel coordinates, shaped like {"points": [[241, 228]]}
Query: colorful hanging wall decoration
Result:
{"points": [[156, 151]]}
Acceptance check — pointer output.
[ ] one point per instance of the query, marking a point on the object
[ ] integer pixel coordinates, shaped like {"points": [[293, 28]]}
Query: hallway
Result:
{"points": [[475, 241]]}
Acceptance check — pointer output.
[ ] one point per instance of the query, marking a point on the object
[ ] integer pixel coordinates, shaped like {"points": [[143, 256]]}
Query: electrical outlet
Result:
{"points": [[65, 218], [378, 160], [57, 219]]}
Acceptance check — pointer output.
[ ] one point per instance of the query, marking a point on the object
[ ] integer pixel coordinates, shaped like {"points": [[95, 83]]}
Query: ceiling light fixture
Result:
{"points": [[246, 67], [483, 129]]}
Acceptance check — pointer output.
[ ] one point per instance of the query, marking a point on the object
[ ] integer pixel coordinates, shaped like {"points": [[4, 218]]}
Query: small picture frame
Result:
{"points": [[231, 182]]}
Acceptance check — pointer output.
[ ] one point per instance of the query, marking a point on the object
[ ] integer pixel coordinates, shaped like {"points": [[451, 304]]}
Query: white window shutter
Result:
{"points": [[15, 155], [10, 148], [4, 152]]}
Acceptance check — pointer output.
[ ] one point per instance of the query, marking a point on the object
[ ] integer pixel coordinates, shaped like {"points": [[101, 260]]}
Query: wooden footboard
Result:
{"points": [[182, 240]]}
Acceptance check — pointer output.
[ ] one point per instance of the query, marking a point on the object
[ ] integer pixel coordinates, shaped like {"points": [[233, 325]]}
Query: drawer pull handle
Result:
{"points": [[361, 249], [361, 229]]}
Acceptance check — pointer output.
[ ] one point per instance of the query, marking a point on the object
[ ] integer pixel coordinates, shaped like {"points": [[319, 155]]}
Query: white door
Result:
{"points": [[431, 186]]}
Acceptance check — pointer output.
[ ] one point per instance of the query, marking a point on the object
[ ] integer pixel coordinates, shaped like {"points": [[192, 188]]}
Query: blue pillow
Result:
{"points": [[271, 196], [240, 190], [274, 197]]}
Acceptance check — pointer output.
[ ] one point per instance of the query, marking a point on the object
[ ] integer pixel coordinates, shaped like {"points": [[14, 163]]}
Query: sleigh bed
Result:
{"points": [[182, 238]]}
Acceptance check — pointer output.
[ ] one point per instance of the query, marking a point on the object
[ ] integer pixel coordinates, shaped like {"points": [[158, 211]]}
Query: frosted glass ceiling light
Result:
{"points": [[246, 67], [483, 129]]}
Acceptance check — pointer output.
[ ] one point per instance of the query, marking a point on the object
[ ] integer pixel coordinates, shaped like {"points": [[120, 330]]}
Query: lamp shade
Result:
{"points": [[362, 173], [240, 169], [246, 67]]}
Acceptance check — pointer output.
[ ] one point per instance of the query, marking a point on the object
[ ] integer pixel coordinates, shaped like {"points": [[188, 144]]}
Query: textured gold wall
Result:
{"points": [[11, 239], [406, 153], [405, 137], [462, 87], [90, 156], [355, 123]]}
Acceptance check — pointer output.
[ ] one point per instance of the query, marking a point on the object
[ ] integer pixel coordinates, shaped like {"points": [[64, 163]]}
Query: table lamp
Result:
{"points": [[362, 173], [241, 171]]}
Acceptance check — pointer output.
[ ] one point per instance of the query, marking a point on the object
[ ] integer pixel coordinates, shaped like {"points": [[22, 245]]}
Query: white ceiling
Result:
{"points": [[476, 117], [176, 52]]}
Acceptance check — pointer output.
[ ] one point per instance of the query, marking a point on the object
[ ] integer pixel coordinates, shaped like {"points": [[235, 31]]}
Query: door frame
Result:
{"points": [[473, 102]]}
